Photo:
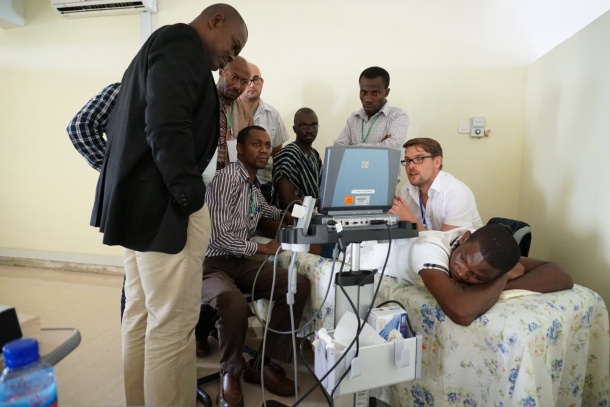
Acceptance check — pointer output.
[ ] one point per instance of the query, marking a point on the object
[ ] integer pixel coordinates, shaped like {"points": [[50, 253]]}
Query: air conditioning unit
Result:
{"points": [[92, 8]]}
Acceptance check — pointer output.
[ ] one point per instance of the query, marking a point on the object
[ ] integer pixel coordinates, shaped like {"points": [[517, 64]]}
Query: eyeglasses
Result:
{"points": [[304, 127], [257, 80], [234, 78], [416, 160]]}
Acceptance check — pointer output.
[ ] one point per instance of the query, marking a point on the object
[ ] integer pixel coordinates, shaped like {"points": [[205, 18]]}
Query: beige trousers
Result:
{"points": [[163, 296]]}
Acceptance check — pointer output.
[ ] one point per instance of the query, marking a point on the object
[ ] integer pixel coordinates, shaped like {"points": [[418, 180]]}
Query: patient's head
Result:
{"points": [[484, 255]]}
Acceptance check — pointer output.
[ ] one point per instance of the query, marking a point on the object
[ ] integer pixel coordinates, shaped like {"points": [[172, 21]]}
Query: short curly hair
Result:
{"points": [[498, 247], [243, 134], [376, 72]]}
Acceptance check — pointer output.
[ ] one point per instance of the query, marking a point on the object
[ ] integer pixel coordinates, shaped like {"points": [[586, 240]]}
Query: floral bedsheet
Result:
{"points": [[535, 350]]}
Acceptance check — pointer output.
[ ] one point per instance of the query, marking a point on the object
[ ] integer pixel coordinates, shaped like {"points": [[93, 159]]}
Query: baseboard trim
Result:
{"points": [[62, 261]]}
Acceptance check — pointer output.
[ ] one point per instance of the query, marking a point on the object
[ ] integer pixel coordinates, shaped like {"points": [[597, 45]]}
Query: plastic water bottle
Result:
{"points": [[26, 380]]}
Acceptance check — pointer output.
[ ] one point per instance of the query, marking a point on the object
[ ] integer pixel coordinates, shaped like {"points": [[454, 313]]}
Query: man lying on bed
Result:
{"points": [[466, 270]]}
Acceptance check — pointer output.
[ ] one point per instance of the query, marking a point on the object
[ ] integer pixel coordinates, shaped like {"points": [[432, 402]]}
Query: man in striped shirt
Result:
{"points": [[236, 205], [298, 167]]}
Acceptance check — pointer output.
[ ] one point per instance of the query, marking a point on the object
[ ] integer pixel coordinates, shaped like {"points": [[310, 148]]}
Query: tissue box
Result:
{"points": [[379, 318], [30, 325]]}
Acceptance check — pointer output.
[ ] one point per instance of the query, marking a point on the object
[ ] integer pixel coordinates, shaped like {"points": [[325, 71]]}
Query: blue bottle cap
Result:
{"points": [[20, 352]]}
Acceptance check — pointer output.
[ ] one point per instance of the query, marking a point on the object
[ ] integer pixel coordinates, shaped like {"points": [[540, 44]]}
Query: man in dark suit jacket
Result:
{"points": [[161, 135]]}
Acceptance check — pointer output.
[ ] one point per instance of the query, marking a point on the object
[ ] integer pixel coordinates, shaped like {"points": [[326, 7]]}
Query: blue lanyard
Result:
{"points": [[421, 208]]}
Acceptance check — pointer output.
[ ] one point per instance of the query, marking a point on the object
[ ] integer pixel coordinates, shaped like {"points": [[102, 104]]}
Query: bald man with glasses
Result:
{"points": [[433, 199], [267, 117]]}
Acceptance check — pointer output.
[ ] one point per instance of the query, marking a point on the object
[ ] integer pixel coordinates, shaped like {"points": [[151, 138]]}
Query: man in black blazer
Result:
{"points": [[161, 135]]}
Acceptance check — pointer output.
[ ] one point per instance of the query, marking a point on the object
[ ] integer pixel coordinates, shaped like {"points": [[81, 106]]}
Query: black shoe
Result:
{"points": [[202, 348]]}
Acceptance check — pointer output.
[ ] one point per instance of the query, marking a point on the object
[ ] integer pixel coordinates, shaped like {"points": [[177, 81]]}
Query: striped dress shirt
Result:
{"points": [[302, 170], [236, 205]]}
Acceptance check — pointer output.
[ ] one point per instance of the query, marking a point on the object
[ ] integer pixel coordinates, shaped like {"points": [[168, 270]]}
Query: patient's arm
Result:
{"points": [[541, 276], [462, 303]]}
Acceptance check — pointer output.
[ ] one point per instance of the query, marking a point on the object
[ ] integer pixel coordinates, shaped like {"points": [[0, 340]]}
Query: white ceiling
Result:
{"points": [[520, 29]]}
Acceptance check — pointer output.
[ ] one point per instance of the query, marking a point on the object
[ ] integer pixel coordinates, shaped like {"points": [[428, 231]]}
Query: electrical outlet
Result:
{"points": [[464, 127]]}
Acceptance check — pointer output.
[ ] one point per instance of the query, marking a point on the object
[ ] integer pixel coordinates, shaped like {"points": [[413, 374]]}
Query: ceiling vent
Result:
{"points": [[92, 8]]}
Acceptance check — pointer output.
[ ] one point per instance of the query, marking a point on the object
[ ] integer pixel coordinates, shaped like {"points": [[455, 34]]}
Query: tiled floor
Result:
{"points": [[92, 374]]}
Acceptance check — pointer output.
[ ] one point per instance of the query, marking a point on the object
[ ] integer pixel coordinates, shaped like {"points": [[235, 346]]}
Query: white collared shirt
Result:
{"points": [[269, 118], [450, 202]]}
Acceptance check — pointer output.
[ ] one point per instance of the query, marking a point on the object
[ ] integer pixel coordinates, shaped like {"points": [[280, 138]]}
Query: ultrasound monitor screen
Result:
{"points": [[358, 179]]}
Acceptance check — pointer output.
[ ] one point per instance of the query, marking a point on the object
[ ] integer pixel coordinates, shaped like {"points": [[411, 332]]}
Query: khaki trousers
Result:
{"points": [[163, 296]]}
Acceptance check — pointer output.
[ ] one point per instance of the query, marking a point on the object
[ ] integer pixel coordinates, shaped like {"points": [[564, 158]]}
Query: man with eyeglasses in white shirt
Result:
{"points": [[267, 117], [433, 199]]}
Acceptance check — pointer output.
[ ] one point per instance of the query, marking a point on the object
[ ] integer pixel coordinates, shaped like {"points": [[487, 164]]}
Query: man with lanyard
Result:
{"points": [[433, 199], [236, 206], [234, 114], [376, 123], [267, 117]]}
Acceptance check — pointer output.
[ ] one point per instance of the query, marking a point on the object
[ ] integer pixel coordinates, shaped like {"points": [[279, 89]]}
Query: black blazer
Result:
{"points": [[162, 133]]}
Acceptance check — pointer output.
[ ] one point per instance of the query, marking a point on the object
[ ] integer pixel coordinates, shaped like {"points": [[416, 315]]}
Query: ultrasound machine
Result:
{"points": [[357, 189]]}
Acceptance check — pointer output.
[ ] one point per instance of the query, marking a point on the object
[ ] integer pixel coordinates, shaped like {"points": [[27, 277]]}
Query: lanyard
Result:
{"points": [[363, 137], [421, 208], [230, 119], [252, 210]]}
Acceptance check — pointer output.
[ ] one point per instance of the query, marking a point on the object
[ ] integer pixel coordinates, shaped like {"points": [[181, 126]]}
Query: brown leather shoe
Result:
{"points": [[202, 348], [274, 376], [229, 392]]}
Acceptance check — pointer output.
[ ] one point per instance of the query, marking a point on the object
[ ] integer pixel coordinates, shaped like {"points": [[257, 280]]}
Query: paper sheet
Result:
{"points": [[346, 329]]}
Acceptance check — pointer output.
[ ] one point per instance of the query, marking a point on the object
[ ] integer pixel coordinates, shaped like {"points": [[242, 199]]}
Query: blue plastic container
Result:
{"points": [[26, 380]]}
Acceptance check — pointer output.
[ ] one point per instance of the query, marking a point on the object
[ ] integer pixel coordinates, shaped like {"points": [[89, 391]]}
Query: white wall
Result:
{"points": [[310, 53], [565, 186]]}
